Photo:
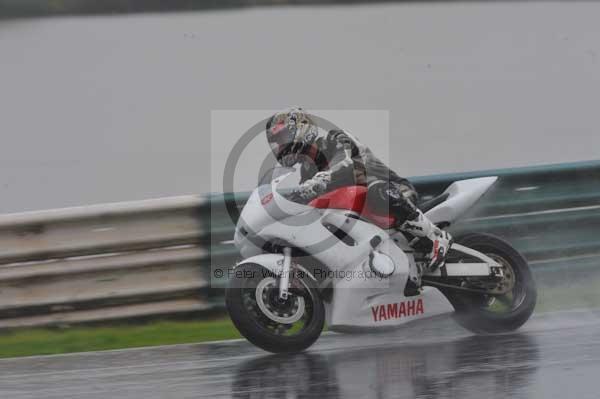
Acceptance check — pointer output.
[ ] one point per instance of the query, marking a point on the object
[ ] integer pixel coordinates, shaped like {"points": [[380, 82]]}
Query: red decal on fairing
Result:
{"points": [[397, 310], [266, 199], [352, 198]]}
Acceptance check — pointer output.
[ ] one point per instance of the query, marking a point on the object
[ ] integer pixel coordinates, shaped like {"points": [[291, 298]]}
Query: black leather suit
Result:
{"points": [[339, 160]]}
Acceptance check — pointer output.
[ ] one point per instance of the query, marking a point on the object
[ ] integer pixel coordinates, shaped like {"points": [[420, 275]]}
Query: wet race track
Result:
{"points": [[554, 356]]}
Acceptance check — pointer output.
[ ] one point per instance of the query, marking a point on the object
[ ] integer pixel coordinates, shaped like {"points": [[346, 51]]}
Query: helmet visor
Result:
{"points": [[279, 137]]}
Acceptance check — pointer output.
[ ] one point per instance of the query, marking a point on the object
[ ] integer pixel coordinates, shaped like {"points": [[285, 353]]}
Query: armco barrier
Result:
{"points": [[152, 258]]}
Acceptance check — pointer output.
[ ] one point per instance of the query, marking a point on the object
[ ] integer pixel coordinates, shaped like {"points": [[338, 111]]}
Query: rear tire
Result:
{"points": [[473, 311], [260, 328]]}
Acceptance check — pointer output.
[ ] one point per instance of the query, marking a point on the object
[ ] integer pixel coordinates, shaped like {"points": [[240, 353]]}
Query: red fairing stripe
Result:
{"points": [[352, 198]]}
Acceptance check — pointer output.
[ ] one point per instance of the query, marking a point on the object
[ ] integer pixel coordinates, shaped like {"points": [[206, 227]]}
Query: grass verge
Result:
{"points": [[49, 341], [570, 294]]}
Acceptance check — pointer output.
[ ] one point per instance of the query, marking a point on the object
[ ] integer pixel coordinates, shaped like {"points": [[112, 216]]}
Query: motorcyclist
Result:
{"points": [[339, 160]]}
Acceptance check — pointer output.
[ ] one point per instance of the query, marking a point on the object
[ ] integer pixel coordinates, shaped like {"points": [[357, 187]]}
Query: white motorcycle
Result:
{"points": [[335, 261]]}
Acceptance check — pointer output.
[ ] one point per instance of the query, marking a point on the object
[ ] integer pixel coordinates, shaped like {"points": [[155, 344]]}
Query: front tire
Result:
{"points": [[488, 314], [275, 326]]}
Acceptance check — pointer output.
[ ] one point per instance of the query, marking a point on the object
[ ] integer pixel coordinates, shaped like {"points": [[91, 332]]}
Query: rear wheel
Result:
{"points": [[270, 323], [501, 304]]}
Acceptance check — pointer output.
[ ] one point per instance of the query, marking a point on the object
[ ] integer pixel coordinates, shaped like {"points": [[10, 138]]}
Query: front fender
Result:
{"points": [[273, 263]]}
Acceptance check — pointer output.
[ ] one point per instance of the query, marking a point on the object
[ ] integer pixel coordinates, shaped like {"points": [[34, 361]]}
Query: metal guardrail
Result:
{"points": [[104, 262], [152, 258]]}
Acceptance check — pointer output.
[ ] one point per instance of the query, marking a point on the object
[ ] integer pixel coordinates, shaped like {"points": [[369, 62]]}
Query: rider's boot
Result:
{"points": [[438, 241]]}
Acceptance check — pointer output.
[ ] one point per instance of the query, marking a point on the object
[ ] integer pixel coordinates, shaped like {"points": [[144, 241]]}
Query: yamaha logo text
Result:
{"points": [[397, 310]]}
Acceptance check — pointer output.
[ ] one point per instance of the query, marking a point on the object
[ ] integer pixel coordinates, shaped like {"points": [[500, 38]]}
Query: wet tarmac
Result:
{"points": [[554, 356]]}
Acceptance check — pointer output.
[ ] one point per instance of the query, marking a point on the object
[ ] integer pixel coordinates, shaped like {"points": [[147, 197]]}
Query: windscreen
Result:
{"points": [[276, 172]]}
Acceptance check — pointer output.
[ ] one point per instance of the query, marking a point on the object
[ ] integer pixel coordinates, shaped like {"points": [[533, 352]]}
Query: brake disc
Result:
{"points": [[284, 312]]}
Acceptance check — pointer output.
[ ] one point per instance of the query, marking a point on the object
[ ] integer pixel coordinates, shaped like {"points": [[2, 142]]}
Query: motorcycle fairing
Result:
{"points": [[462, 195], [356, 302]]}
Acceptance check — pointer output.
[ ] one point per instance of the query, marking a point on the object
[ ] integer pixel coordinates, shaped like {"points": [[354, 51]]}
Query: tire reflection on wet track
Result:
{"points": [[498, 366]]}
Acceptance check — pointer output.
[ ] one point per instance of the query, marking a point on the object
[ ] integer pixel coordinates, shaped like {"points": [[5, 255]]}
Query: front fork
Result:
{"points": [[284, 280]]}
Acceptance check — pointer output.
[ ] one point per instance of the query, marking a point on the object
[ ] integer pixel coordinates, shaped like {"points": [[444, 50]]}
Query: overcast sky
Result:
{"points": [[102, 109]]}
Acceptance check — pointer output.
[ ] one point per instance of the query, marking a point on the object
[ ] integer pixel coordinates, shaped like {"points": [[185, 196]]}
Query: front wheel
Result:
{"points": [[511, 300], [275, 325]]}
